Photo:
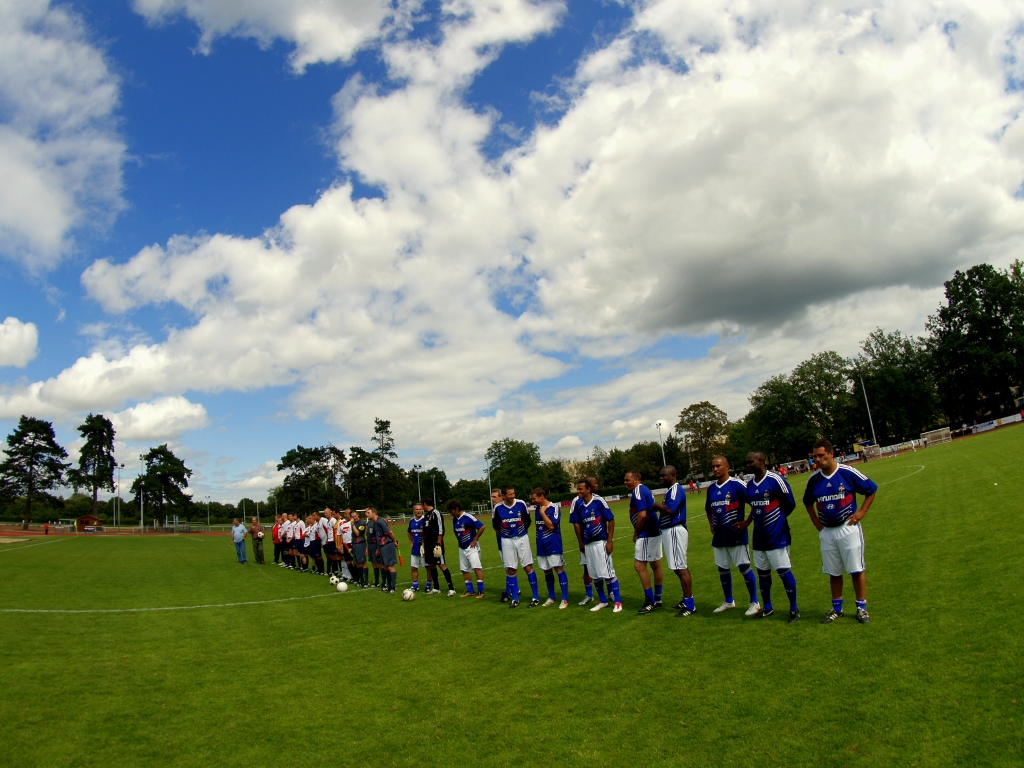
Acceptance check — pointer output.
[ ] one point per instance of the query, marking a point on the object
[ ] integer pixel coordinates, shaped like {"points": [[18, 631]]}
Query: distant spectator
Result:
{"points": [[238, 535], [256, 534], [46, 529]]}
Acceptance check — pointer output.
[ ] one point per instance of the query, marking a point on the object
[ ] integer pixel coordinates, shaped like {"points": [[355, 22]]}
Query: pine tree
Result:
{"points": [[96, 460], [34, 463]]}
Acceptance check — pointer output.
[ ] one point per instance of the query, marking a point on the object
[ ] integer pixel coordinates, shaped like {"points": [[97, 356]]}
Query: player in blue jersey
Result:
{"points": [[771, 502], [646, 540], [675, 537], [724, 505], [416, 560], [595, 530], [468, 531], [831, 501], [495, 501], [513, 524], [588, 583], [550, 559]]}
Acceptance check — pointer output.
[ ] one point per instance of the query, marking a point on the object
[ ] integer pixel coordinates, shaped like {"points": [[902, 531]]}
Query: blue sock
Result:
{"points": [[862, 605], [515, 587], [508, 587], [563, 583], [469, 587], [415, 586], [837, 605], [649, 594], [765, 580], [532, 578], [748, 577], [600, 592], [590, 589], [725, 577], [688, 602], [614, 586], [657, 592], [480, 586], [789, 584], [549, 579]]}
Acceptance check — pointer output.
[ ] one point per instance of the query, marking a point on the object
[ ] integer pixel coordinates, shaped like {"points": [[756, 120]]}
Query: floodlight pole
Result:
{"points": [[207, 514], [870, 420], [664, 463], [490, 490], [142, 511], [433, 484], [416, 468]]}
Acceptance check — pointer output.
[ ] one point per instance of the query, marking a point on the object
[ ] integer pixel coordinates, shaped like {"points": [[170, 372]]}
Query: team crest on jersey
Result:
{"points": [[841, 489]]}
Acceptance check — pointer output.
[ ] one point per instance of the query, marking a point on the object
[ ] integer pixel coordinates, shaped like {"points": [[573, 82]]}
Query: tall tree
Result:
{"points": [[778, 422], [897, 375], [823, 384], [313, 480], [384, 454], [977, 342], [516, 463], [162, 484], [34, 463], [703, 429], [469, 492], [96, 460]]}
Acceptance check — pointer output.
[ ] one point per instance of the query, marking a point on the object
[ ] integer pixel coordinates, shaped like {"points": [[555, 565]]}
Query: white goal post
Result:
{"points": [[937, 436]]}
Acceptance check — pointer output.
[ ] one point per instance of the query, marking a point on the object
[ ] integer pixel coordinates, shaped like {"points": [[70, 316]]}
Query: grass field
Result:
{"points": [[363, 679]]}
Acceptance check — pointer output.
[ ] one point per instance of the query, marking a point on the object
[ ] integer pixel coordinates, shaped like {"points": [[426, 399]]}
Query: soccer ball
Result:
{"points": [[342, 586], [334, 579], [259, 534], [408, 595]]}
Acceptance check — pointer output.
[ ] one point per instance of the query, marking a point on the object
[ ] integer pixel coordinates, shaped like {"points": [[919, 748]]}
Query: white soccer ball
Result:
{"points": [[334, 579], [342, 586], [408, 595], [259, 534]]}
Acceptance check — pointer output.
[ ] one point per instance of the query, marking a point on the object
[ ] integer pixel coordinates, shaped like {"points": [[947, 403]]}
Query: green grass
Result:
{"points": [[364, 679]]}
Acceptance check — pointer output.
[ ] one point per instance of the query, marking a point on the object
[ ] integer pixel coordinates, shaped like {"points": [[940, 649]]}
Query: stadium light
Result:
{"points": [[433, 485], [870, 420], [207, 512], [664, 463], [416, 468]]}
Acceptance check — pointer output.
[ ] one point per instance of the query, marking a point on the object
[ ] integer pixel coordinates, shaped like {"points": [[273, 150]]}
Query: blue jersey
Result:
{"points": [[416, 529], [835, 495], [642, 500], [675, 500], [726, 503], [465, 527], [592, 518], [771, 501], [549, 542], [512, 520]]}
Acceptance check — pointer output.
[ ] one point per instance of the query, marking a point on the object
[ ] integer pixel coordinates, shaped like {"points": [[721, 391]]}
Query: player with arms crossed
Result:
{"points": [[675, 537], [831, 502], [724, 505], [595, 531], [771, 502], [416, 560], [646, 540], [468, 530], [550, 559], [514, 522]]}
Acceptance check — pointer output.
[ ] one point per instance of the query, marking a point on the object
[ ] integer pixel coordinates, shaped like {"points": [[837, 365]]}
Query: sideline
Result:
{"points": [[920, 468], [29, 546]]}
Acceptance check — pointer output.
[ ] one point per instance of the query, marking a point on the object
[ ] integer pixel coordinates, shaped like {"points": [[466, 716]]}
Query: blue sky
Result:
{"points": [[559, 222]]}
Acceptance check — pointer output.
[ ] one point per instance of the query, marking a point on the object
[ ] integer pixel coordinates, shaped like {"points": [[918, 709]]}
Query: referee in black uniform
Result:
{"points": [[433, 548]]}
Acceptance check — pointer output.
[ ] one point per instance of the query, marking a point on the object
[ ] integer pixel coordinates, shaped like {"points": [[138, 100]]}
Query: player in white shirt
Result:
{"points": [[344, 535]]}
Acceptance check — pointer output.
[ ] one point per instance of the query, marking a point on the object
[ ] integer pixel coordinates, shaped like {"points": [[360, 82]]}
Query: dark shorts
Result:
{"points": [[359, 552], [388, 555], [314, 548], [428, 553], [375, 554], [330, 548]]}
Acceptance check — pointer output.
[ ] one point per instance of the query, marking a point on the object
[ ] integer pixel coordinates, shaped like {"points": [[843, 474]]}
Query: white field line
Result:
{"points": [[920, 468], [29, 546]]}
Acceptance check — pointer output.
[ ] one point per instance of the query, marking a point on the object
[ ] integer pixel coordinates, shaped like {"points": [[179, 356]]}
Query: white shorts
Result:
{"points": [[469, 559], [647, 550], [417, 561], [599, 562], [772, 559], [676, 540], [726, 557], [583, 558], [547, 562], [842, 547], [516, 552]]}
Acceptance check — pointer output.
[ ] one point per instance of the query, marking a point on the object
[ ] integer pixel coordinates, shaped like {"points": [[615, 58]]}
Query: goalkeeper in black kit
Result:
{"points": [[433, 549]]}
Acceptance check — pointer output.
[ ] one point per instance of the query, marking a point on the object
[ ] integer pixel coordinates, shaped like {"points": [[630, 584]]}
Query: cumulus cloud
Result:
{"points": [[162, 419], [786, 175], [263, 478], [321, 31], [60, 155], [18, 342]]}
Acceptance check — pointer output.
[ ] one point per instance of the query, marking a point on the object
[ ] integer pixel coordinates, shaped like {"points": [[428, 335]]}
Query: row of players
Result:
{"points": [[659, 532]]}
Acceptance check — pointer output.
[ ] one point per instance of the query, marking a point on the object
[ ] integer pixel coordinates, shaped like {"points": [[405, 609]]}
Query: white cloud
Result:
{"points": [[263, 478], [162, 419], [321, 31], [788, 175], [60, 155], [18, 342]]}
